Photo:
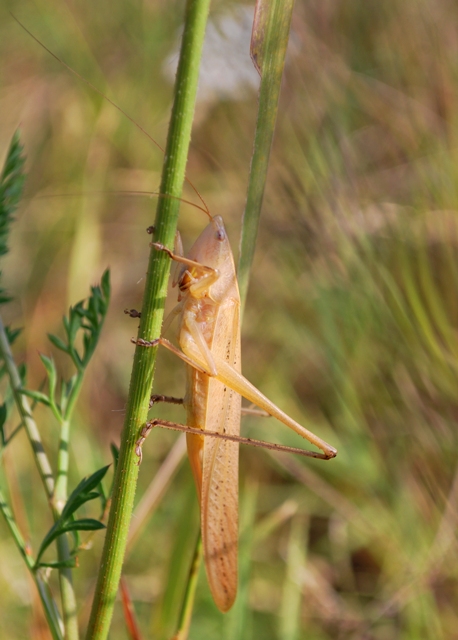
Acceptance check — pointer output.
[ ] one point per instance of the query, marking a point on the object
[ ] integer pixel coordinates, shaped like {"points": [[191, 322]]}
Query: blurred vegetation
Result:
{"points": [[350, 325]]}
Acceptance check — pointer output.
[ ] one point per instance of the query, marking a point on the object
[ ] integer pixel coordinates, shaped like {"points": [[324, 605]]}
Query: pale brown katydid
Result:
{"points": [[209, 337]]}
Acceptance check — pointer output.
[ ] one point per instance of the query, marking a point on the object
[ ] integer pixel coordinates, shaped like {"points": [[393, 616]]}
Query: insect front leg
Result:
{"points": [[200, 276]]}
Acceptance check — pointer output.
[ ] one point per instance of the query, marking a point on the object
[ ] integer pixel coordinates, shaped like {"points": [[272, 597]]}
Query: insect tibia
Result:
{"points": [[179, 258], [133, 313], [272, 446]]}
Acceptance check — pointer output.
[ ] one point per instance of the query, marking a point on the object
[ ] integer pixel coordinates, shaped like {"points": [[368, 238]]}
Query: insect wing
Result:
{"points": [[219, 503]]}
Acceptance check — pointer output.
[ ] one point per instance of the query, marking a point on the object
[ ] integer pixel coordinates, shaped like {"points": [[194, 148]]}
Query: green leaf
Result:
{"points": [[74, 323], [59, 528], [106, 287], [65, 564], [114, 453], [65, 392], [11, 186], [52, 374], [83, 492], [77, 502], [87, 316], [84, 524], [22, 370], [57, 342], [92, 481], [37, 396], [102, 494], [12, 334], [3, 416]]}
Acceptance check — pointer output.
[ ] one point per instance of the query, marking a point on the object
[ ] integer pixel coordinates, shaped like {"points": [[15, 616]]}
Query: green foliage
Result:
{"points": [[11, 186], [84, 318], [66, 523], [87, 317], [84, 323]]}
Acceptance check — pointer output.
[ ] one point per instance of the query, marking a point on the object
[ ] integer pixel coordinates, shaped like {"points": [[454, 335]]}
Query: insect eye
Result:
{"points": [[220, 235]]}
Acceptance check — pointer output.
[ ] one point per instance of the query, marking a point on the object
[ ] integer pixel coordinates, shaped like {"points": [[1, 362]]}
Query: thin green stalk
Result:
{"points": [[270, 39], [67, 591], [41, 459], [15, 533], [61, 490], [191, 585], [61, 493], [151, 319], [52, 616], [68, 597], [65, 574]]}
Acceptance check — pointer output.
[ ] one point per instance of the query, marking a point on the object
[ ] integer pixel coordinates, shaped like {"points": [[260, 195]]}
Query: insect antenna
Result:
{"points": [[204, 208], [125, 192]]}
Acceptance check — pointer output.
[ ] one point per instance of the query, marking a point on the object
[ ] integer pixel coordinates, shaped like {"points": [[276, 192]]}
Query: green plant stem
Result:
{"points": [[61, 490], [41, 459], [273, 42], [67, 592], [178, 140], [52, 616], [69, 603], [184, 622], [65, 574]]}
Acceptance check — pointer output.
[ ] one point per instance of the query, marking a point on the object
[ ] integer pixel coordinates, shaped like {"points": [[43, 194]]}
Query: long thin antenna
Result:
{"points": [[113, 104], [122, 192]]}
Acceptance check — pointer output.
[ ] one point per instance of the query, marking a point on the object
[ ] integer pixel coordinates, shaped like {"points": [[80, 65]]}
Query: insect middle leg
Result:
{"points": [[155, 399]]}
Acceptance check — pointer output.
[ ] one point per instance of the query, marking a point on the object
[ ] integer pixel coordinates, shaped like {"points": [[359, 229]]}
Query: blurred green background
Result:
{"points": [[350, 325]]}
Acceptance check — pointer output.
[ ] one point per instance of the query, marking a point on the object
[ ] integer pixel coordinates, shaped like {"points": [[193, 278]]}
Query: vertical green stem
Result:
{"points": [[191, 586], [69, 603], [274, 40], [44, 467], [61, 489], [151, 319], [62, 466], [67, 591]]}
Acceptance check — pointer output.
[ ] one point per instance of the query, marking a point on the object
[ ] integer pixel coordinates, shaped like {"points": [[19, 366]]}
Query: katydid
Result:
{"points": [[209, 337]]}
